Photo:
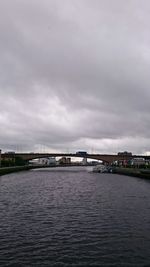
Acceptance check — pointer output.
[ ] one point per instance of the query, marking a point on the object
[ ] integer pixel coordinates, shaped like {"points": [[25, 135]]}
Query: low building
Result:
{"points": [[125, 153], [52, 161], [47, 161], [138, 162], [65, 160], [84, 161]]}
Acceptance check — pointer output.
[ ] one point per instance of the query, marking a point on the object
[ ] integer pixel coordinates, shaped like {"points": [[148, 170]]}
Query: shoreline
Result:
{"points": [[139, 173], [7, 170]]}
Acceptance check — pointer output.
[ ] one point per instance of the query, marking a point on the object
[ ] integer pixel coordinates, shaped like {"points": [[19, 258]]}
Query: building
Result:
{"points": [[9, 157], [47, 161], [52, 161], [125, 153], [136, 162], [65, 160], [84, 161]]}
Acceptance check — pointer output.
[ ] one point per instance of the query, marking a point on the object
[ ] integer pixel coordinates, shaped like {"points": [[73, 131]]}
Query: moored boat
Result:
{"points": [[102, 168]]}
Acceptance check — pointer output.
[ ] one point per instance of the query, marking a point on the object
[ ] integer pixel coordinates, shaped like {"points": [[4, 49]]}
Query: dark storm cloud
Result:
{"points": [[75, 75]]}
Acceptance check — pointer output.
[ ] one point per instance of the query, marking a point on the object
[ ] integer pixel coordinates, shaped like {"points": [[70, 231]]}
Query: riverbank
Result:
{"points": [[7, 170], [135, 172]]}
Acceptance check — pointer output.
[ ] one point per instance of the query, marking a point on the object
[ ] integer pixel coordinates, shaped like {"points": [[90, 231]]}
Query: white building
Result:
{"points": [[47, 161], [138, 161], [84, 161]]}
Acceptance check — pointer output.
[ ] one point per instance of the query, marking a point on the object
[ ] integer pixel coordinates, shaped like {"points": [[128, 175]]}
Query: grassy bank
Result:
{"points": [[7, 170], [135, 172]]}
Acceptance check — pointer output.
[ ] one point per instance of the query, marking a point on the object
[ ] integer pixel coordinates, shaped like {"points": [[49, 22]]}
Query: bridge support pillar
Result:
{"points": [[0, 157]]}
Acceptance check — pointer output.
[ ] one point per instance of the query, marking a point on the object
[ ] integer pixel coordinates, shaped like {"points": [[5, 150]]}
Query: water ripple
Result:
{"points": [[74, 218]]}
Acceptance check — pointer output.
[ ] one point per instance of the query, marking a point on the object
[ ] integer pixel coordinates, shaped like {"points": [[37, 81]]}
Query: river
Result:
{"points": [[72, 217]]}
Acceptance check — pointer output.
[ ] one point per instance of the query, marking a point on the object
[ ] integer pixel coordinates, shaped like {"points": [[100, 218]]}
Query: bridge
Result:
{"points": [[108, 158]]}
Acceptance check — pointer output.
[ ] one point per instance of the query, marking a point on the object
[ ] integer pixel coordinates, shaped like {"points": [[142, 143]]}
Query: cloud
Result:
{"points": [[75, 75]]}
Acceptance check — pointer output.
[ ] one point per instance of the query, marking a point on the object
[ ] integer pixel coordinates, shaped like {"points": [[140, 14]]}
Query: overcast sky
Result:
{"points": [[75, 75]]}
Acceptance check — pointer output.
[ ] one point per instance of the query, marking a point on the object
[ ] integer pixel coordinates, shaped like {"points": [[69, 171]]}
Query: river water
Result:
{"points": [[72, 217]]}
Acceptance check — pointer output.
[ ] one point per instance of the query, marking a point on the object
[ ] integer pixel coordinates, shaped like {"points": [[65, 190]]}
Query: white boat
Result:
{"points": [[100, 168]]}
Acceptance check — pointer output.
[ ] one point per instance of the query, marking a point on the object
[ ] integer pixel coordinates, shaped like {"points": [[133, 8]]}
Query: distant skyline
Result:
{"points": [[74, 75]]}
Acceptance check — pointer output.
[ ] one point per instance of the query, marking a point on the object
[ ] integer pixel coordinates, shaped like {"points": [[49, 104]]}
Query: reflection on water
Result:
{"points": [[72, 217]]}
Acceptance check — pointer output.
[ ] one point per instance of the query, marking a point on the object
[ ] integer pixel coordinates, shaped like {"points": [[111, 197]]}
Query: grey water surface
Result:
{"points": [[72, 217]]}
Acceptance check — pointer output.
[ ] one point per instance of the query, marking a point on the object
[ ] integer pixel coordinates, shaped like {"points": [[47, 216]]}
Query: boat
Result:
{"points": [[100, 168]]}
